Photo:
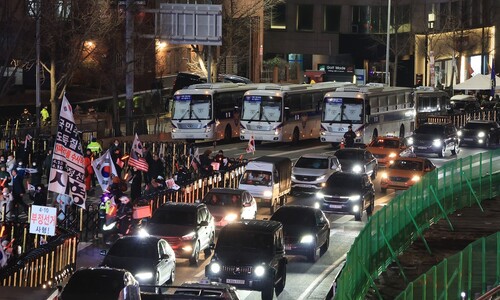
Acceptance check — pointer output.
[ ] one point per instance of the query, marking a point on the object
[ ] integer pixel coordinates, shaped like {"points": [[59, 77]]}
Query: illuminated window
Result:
{"points": [[305, 17], [278, 16], [332, 18]]}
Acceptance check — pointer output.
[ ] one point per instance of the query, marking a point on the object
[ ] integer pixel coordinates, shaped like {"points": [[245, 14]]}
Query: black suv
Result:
{"points": [[348, 193], [251, 256], [435, 138], [188, 227]]}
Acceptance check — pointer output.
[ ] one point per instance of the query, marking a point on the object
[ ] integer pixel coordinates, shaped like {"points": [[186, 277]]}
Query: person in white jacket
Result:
{"points": [[5, 204], [10, 165]]}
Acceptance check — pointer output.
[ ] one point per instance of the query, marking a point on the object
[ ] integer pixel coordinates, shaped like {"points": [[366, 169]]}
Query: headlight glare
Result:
{"points": [[384, 175], [307, 239], [293, 177], [415, 178], [144, 275], [459, 133], [268, 193], [410, 141], [321, 177], [357, 169], [392, 155], [190, 236], [354, 197], [259, 271], [215, 268], [320, 195], [481, 134], [230, 217], [437, 143]]}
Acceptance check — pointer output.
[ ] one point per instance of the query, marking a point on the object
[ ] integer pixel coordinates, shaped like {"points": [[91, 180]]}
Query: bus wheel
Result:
{"points": [[296, 136], [227, 134], [402, 131]]}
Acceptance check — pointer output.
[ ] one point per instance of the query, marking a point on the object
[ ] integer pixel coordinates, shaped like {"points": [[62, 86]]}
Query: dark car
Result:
{"points": [[250, 255], [228, 205], [234, 78], [307, 230], [188, 227], [481, 133], [356, 160], [152, 261], [196, 290], [101, 283], [348, 193], [435, 138]]}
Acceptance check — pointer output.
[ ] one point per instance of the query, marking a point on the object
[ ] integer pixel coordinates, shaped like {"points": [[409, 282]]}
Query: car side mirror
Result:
{"points": [[203, 223], [164, 256], [103, 252]]}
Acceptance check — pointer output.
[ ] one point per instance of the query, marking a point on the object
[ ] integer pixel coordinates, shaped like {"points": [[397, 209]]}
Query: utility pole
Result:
{"points": [[129, 61], [37, 66], [388, 40]]}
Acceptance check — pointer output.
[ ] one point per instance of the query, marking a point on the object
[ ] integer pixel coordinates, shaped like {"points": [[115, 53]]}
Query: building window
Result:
{"points": [[332, 18], [360, 19], [63, 8], [305, 17], [278, 16]]}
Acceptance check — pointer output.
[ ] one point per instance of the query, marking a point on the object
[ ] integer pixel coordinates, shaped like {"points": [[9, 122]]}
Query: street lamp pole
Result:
{"points": [[37, 66], [129, 61], [388, 43]]}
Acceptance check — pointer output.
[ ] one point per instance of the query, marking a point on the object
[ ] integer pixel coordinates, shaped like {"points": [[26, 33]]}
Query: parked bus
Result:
{"points": [[429, 101], [372, 110], [208, 111], [284, 113]]}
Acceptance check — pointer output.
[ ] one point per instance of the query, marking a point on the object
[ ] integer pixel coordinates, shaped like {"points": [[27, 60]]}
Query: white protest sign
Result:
{"points": [[43, 220]]}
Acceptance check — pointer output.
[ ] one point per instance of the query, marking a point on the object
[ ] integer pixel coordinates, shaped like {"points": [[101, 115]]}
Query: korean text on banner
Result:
{"points": [[104, 170], [43, 220], [67, 172]]}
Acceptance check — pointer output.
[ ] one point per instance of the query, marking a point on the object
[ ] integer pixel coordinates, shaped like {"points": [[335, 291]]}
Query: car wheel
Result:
{"points": [[374, 174], [326, 245], [172, 277], [195, 258], [383, 190], [281, 285], [443, 152], [313, 254], [268, 291], [455, 150], [207, 250]]}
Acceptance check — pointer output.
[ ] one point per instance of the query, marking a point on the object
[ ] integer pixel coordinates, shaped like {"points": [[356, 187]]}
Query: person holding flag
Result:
{"points": [[104, 169], [135, 159], [251, 145]]}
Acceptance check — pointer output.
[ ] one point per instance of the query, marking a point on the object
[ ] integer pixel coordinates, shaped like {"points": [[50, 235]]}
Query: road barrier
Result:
{"points": [[466, 275], [457, 184]]}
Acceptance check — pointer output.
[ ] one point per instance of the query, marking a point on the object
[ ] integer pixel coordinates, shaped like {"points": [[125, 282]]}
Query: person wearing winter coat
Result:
{"points": [[6, 204], [39, 196]]}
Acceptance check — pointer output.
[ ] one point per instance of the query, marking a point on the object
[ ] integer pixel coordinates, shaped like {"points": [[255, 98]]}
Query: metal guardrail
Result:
{"points": [[460, 120], [457, 184], [473, 273]]}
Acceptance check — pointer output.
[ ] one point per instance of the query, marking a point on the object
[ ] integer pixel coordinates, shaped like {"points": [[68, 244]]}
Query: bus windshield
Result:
{"points": [[343, 110], [261, 108], [191, 107], [429, 104]]}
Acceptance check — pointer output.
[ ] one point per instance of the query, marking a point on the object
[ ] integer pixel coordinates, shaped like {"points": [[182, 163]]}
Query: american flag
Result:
{"points": [[134, 159]]}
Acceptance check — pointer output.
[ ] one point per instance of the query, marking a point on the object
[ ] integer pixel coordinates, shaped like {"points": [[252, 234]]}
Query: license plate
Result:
{"points": [[235, 281], [421, 147], [335, 206], [468, 139], [288, 247]]}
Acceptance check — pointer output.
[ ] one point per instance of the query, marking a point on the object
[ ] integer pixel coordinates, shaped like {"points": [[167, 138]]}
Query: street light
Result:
{"points": [[387, 43]]}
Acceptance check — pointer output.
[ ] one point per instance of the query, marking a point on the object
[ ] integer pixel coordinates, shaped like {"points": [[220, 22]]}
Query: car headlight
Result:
{"points": [[392, 155], [307, 239], [415, 178], [268, 193], [384, 175], [293, 177], [437, 143], [459, 133], [410, 141], [215, 268], [320, 195], [481, 134], [259, 271], [321, 177], [174, 130], [357, 169], [230, 217], [354, 197], [142, 233], [190, 236], [317, 205], [144, 275]]}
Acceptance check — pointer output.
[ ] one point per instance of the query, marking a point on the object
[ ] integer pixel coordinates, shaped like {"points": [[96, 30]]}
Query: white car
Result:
{"points": [[228, 205], [311, 171]]}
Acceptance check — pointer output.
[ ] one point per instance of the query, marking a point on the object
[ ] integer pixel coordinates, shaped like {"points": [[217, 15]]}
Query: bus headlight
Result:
{"points": [[174, 130], [481, 134], [208, 128], [437, 143], [268, 194], [242, 131], [215, 268], [259, 271]]}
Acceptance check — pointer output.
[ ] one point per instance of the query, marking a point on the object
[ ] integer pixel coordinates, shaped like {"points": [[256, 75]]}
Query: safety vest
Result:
{"points": [[95, 147]]}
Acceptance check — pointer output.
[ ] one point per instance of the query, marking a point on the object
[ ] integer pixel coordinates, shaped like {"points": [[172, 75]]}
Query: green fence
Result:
{"points": [[465, 275], [457, 184]]}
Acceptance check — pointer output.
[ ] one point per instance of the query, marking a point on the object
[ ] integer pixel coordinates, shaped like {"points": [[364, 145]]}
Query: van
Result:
{"points": [[463, 103], [268, 179]]}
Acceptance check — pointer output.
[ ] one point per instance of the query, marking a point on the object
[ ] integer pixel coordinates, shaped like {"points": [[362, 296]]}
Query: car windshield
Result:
{"points": [[294, 216], [173, 217], [408, 165], [477, 126], [257, 178], [244, 241], [312, 163], [222, 199], [385, 143], [344, 181], [349, 155], [142, 248], [430, 129], [95, 283]]}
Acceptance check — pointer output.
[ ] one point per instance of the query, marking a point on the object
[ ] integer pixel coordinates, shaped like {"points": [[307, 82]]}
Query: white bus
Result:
{"points": [[429, 101], [372, 110], [208, 111], [284, 113]]}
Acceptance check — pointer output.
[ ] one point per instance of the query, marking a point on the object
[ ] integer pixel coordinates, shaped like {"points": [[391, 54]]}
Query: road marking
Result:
{"points": [[321, 277], [298, 150], [343, 219]]}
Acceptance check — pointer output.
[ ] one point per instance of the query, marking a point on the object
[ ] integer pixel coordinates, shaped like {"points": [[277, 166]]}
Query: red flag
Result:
{"points": [[251, 145], [119, 162], [134, 159]]}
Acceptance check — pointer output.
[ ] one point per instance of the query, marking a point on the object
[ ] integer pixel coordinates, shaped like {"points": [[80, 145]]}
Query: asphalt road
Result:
{"points": [[304, 280]]}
